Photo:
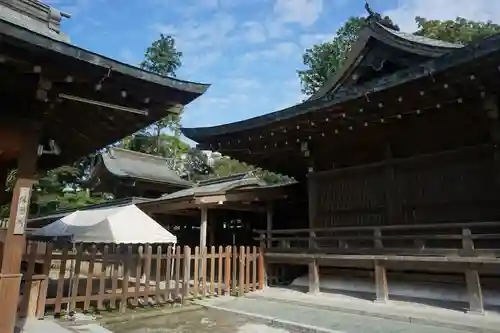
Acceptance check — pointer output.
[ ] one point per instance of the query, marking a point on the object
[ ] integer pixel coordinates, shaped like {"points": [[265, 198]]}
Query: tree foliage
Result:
{"points": [[460, 30], [162, 57], [324, 59]]}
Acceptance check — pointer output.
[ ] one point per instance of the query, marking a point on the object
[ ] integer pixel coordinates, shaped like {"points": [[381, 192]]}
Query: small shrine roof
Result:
{"points": [[218, 186], [130, 164]]}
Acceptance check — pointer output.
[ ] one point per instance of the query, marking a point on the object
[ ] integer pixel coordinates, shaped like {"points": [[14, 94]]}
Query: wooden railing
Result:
{"points": [[459, 247], [97, 278], [445, 239]]}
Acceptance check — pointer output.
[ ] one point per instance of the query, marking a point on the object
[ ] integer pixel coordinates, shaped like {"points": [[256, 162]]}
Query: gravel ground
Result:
{"points": [[200, 321]]}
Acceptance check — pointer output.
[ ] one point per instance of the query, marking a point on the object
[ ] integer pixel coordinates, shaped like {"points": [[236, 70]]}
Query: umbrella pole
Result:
{"points": [[172, 270]]}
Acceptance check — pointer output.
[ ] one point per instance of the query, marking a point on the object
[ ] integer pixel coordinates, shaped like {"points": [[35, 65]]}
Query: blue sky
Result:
{"points": [[249, 50]]}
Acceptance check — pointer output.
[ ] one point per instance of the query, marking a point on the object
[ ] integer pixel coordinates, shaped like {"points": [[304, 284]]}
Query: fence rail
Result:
{"points": [[103, 277]]}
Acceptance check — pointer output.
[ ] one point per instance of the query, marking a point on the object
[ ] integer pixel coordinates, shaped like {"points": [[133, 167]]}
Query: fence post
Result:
{"points": [[242, 271], [90, 276], [40, 309], [212, 270], [76, 277], [147, 272], [227, 280], [196, 271], [177, 272], [247, 269], [219, 271], [126, 274], [31, 288], [158, 275], [187, 273]]}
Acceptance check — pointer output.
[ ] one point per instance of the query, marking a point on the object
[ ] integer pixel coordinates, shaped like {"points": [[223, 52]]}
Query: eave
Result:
{"points": [[450, 60], [31, 63], [420, 97]]}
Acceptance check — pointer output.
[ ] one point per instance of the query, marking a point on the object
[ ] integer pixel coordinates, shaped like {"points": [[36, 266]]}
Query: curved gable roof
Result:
{"points": [[406, 42]]}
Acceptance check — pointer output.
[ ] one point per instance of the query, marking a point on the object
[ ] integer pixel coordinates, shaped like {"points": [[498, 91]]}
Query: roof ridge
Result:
{"points": [[132, 152], [224, 179]]}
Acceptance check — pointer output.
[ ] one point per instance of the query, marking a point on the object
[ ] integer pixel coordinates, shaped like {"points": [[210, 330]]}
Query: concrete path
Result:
{"points": [[394, 310], [306, 318]]}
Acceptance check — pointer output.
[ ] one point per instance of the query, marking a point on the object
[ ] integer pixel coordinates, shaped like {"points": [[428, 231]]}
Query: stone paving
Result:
{"points": [[199, 321]]}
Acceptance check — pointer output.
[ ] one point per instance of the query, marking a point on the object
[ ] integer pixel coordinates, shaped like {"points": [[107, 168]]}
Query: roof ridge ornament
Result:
{"points": [[374, 17]]}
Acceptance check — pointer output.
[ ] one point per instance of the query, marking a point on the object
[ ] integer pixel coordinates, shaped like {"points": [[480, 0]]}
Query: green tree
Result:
{"points": [[225, 166], [324, 59], [460, 30], [162, 57]]}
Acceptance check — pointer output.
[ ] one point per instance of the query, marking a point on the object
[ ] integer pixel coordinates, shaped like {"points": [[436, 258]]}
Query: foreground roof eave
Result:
{"points": [[449, 60], [25, 35]]}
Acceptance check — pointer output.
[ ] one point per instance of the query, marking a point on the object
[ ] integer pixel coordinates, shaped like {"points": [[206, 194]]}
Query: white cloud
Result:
{"points": [[242, 84], [126, 55], [304, 12], [280, 50], [194, 62], [254, 32], [478, 10], [194, 35], [308, 40]]}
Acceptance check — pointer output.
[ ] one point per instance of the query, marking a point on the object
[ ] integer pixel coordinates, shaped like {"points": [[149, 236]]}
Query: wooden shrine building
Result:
{"points": [[60, 103], [400, 153], [127, 174]]}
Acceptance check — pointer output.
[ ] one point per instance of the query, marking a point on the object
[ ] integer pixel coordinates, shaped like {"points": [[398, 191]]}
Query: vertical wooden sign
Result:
{"points": [[22, 210]]}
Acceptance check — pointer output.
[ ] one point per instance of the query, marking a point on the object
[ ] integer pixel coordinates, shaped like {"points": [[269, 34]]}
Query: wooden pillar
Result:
{"points": [[314, 277], [10, 276], [314, 265], [474, 291], [269, 224], [203, 227], [203, 239], [211, 225], [381, 288]]}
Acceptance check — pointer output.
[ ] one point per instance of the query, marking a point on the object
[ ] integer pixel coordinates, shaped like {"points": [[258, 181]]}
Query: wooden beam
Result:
{"points": [[248, 196]]}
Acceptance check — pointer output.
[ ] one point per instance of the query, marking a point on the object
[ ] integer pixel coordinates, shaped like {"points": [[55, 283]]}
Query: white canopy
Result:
{"points": [[120, 225]]}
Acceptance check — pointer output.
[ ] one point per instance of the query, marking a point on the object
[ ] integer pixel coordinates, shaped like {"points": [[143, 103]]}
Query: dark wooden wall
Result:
{"points": [[459, 185]]}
